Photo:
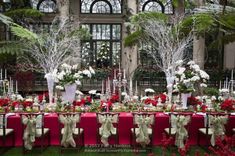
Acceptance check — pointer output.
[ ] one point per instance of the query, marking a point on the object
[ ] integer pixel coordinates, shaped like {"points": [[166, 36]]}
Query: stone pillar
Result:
{"points": [[199, 45], [229, 56], [129, 54], [199, 51]]}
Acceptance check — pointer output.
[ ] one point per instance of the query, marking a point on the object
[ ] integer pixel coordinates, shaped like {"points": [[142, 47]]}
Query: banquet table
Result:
{"points": [[89, 124]]}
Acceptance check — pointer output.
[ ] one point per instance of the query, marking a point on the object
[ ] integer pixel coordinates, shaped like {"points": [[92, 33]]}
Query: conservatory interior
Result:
{"points": [[117, 77]]}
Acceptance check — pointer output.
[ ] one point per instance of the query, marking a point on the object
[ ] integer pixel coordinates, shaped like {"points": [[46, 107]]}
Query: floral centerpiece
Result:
{"points": [[69, 77], [186, 79], [227, 105]]}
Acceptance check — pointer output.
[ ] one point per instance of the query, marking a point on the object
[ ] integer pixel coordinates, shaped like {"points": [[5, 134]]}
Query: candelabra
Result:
{"points": [[120, 82]]}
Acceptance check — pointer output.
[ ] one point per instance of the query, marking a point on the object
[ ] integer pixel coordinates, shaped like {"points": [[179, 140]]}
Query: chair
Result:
{"points": [[5, 132], [33, 129], [70, 131], [143, 122], [213, 119], [107, 127], [178, 128]]}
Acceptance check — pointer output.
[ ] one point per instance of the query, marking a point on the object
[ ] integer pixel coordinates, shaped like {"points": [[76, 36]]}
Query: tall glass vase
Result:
{"points": [[70, 91], [170, 82], [50, 86], [184, 99]]}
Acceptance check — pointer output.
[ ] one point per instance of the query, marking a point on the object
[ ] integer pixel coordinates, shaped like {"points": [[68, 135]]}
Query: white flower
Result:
{"points": [[196, 67], [87, 73], [179, 62], [124, 93], [29, 99], [213, 98], [191, 63], [220, 98], [203, 85], [204, 75], [59, 87], [195, 78], [91, 70], [135, 97], [74, 67], [143, 98], [79, 92], [77, 75], [149, 90], [60, 76], [180, 70], [92, 92], [19, 97], [78, 82], [223, 90], [66, 66]]}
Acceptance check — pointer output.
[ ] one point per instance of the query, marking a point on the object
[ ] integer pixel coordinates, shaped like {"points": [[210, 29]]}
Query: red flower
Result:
{"points": [[228, 105], [79, 103], [203, 108], [88, 99], [149, 101], [4, 102], [194, 101], [114, 98], [15, 103], [162, 96], [27, 103]]}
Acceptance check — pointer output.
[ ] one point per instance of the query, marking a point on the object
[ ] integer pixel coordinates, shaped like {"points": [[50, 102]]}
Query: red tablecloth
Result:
{"points": [[89, 124]]}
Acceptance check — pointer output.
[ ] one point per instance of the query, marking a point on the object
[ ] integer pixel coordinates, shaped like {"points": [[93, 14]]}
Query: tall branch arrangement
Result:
{"points": [[167, 40], [49, 48]]}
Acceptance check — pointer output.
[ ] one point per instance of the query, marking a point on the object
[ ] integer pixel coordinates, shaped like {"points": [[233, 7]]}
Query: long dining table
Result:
{"points": [[89, 123]]}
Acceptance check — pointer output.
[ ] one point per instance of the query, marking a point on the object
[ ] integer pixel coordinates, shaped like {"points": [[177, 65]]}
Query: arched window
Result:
{"points": [[161, 6], [104, 47], [101, 6], [45, 6]]}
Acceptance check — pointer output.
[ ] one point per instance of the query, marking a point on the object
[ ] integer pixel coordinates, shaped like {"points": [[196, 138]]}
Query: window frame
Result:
{"points": [[92, 4], [93, 44]]}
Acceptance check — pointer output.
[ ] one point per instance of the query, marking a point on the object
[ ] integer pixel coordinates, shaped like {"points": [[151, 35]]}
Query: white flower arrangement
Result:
{"points": [[92, 92], [71, 74], [188, 76], [149, 90]]}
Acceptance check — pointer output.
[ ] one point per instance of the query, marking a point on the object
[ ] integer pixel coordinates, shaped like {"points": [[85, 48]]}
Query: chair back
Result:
{"points": [[3, 123], [106, 114], [179, 118], [215, 115]]}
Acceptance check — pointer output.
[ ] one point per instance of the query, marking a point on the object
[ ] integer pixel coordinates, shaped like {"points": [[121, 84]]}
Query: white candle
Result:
{"points": [[1, 74], [232, 75], [219, 84], [16, 87], [5, 74], [130, 87], [124, 74], [119, 68], [226, 82], [136, 89], [102, 89], [115, 74], [113, 88]]}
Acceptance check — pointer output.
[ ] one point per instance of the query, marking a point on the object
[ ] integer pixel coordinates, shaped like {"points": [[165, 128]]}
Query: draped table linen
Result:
{"points": [[88, 122]]}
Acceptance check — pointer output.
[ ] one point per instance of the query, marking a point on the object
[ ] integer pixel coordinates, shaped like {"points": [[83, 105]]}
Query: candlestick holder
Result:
{"points": [[120, 82]]}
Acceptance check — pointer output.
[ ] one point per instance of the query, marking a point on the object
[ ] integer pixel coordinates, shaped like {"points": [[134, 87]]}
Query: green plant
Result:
{"points": [[210, 91]]}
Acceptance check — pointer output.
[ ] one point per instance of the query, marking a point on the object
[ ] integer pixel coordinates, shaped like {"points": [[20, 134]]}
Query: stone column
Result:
{"points": [[229, 56], [199, 45], [129, 54], [199, 51]]}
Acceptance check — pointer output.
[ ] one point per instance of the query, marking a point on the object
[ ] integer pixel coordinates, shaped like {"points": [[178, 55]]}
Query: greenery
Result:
{"points": [[54, 151], [211, 91], [102, 73]]}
